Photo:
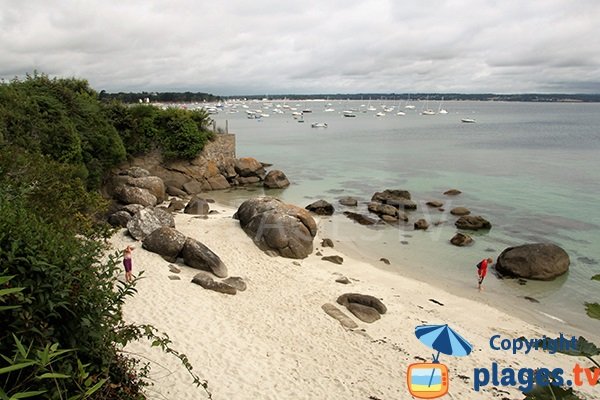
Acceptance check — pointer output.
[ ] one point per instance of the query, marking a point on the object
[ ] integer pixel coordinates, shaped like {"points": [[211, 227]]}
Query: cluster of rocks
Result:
{"points": [[136, 195], [365, 307], [184, 178]]}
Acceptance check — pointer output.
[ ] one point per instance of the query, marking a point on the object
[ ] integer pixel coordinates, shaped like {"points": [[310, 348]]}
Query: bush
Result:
{"points": [[177, 133], [63, 119]]}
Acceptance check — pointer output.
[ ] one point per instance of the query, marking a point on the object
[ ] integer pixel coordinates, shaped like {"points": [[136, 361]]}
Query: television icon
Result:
{"points": [[427, 380]]}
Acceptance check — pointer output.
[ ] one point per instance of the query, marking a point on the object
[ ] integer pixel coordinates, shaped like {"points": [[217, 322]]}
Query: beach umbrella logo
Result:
{"points": [[431, 380]]}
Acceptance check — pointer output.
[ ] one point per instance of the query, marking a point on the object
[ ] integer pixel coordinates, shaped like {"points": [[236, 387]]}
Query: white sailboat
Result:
{"points": [[426, 110], [409, 106], [440, 109]]}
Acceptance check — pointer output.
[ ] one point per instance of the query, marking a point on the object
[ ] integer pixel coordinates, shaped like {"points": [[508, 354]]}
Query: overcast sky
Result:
{"points": [[230, 47]]}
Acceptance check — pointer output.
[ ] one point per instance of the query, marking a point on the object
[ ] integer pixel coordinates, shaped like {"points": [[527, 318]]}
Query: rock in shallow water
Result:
{"points": [[541, 261], [461, 239]]}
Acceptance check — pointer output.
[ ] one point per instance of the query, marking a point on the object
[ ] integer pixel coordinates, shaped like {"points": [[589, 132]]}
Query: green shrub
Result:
{"points": [[63, 119]]}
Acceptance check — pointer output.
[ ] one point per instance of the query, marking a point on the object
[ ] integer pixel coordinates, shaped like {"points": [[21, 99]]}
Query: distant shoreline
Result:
{"points": [[205, 97]]}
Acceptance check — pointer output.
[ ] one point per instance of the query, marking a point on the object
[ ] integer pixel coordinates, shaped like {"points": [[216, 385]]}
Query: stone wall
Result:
{"points": [[222, 147]]}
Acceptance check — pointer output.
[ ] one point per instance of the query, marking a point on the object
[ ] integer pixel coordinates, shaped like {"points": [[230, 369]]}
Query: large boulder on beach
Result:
{"points": [[166, 241], [276, 179], [541, 261], [197, 255], [364, 307], [275, 225], [147, 220], [321, 207], [472, 222]]}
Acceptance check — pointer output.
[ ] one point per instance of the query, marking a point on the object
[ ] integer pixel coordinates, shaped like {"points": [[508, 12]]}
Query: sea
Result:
{"points": [[531, 169]]}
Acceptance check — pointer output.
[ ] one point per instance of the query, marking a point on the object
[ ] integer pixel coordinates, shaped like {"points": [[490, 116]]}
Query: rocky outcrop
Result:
{"points": [[541, 261], [472, 222], [197, 255], [321, 207], [147, 220], [365, 307], [166, 241], [205, 280], [215, 168], [197, 206], [276, 179], [275, 225], [461, 240]]}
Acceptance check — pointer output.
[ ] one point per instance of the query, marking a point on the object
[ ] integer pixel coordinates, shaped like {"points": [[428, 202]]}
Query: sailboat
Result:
{"points": [[440, 109], [409, 106], [426, 110]]}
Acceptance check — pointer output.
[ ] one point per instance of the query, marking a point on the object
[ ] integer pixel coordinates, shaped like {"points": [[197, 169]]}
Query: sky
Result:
{"points": [[235, 47]]}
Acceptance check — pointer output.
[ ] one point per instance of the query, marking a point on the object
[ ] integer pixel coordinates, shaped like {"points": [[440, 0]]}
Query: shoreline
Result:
{"points": [[274, 341], [492, 296]]}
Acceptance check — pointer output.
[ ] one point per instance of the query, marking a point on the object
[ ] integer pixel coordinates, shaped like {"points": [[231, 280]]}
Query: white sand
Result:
{"points": [[273, 341]]}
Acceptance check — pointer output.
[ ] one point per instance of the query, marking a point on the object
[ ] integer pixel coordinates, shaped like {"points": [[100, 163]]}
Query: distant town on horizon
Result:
{"points": [[130, 97]]}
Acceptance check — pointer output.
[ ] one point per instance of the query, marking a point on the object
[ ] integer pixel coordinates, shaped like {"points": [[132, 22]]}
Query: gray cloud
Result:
{"points": [[268, 46]]}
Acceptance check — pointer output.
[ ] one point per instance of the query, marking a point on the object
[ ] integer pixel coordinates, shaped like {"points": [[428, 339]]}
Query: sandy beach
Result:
{"points": [[274, 341]]}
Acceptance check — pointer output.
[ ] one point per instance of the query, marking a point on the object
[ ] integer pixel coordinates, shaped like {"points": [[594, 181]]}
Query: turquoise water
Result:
{"points": [[529, 168]]}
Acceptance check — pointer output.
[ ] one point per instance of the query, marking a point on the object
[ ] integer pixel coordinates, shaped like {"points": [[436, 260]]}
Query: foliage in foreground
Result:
{"points": [[584, 348], [593, 310], [60, 311]]}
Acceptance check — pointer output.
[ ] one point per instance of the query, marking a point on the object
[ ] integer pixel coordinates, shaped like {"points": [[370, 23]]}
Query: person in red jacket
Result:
{"points": [[482, 270]]}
